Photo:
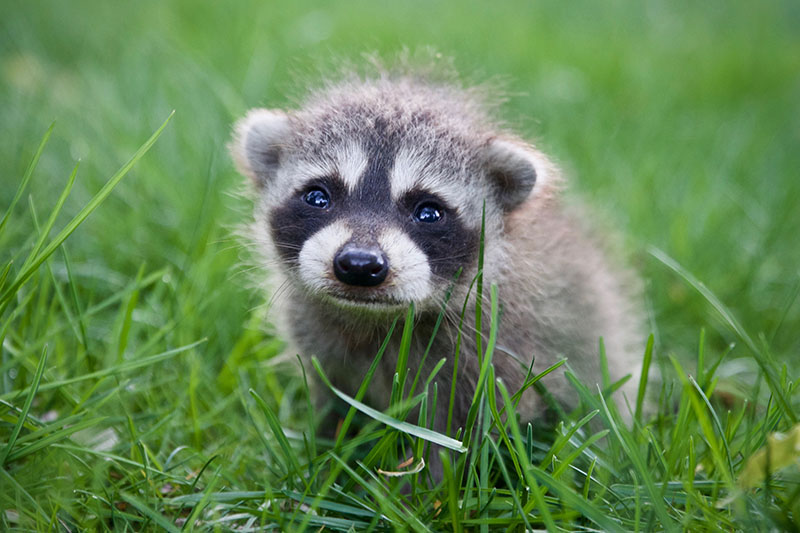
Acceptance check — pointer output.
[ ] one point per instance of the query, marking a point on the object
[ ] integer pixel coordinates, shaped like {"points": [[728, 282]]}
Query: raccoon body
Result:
{"points": [[370, 197]]}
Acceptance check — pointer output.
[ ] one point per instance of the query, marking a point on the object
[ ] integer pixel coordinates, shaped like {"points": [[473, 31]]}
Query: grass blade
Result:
{"points": [[87, 210], [640, 395], [27, 176], [479, 287], [527, 470], [405, 427], [362, 389], [707, 424], [53, 438], [45, 232], [727, 316], [4, 274], [75, 302], [275, 427], [26, 407], [117, 369], [153, 515], [402, 354], [127, 316], [640, 465]]}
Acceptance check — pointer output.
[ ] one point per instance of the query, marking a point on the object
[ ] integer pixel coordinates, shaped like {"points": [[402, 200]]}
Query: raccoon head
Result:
{"points": [[372, 197]]}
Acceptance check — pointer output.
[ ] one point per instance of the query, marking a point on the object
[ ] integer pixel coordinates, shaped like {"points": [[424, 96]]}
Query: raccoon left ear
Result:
{"points": [[513, 168], [258, 142]]}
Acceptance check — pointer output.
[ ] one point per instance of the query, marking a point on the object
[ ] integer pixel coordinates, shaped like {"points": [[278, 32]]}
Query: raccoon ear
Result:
{"points": [[258, 140], [514, 169]]}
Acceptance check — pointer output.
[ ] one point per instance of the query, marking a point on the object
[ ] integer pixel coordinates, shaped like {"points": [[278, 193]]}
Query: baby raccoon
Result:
{"points": [[370, 198]]}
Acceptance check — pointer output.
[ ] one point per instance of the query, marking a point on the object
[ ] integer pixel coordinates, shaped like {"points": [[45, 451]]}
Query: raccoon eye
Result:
{"points": [[317, 197], [428, 212]]}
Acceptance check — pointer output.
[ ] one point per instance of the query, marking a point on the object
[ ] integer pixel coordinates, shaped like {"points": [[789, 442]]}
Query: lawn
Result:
{"points": [[144, 389]]}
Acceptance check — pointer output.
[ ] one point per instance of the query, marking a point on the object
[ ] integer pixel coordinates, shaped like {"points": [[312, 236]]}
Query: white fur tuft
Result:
{"points": [[316, 256], [351, 162], [410, 274]]}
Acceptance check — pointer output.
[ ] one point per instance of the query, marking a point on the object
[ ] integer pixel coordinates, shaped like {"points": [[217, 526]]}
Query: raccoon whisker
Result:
{"points": [[240, 272], [253, 268], [228, 238], [285, 289], [242, 243], [288, 245], [248, 247], [268, 264]]}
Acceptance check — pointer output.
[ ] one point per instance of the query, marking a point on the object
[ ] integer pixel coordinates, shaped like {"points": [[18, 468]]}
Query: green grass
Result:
{"points": [[142, 389]]}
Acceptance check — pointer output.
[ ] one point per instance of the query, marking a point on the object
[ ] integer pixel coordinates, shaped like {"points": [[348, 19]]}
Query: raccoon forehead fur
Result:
{"points": [[371, 196], [441, 135]]}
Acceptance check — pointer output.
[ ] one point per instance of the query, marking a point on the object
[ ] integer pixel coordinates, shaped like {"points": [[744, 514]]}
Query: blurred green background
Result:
{"points": [[678, 122]]}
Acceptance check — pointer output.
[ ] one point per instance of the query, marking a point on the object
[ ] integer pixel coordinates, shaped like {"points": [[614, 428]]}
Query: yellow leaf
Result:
{"points": [[781, 450]]}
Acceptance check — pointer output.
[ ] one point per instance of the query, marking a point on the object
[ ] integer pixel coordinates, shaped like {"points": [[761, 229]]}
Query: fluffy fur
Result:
{"points": [[384, 146]]}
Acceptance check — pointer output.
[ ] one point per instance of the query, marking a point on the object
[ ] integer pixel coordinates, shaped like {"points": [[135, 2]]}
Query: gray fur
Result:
{"points": [[559, 293]]}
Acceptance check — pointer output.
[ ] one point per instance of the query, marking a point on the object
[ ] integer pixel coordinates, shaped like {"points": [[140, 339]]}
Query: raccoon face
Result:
{"points": [[370, 216]]}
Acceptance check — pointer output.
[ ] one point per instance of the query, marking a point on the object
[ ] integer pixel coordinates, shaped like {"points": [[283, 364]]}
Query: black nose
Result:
{"points": [[365, 267]]}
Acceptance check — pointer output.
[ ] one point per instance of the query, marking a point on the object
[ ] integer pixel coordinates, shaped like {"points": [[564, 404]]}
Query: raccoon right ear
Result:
{"points": [[258, 141], [514, 168]]}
